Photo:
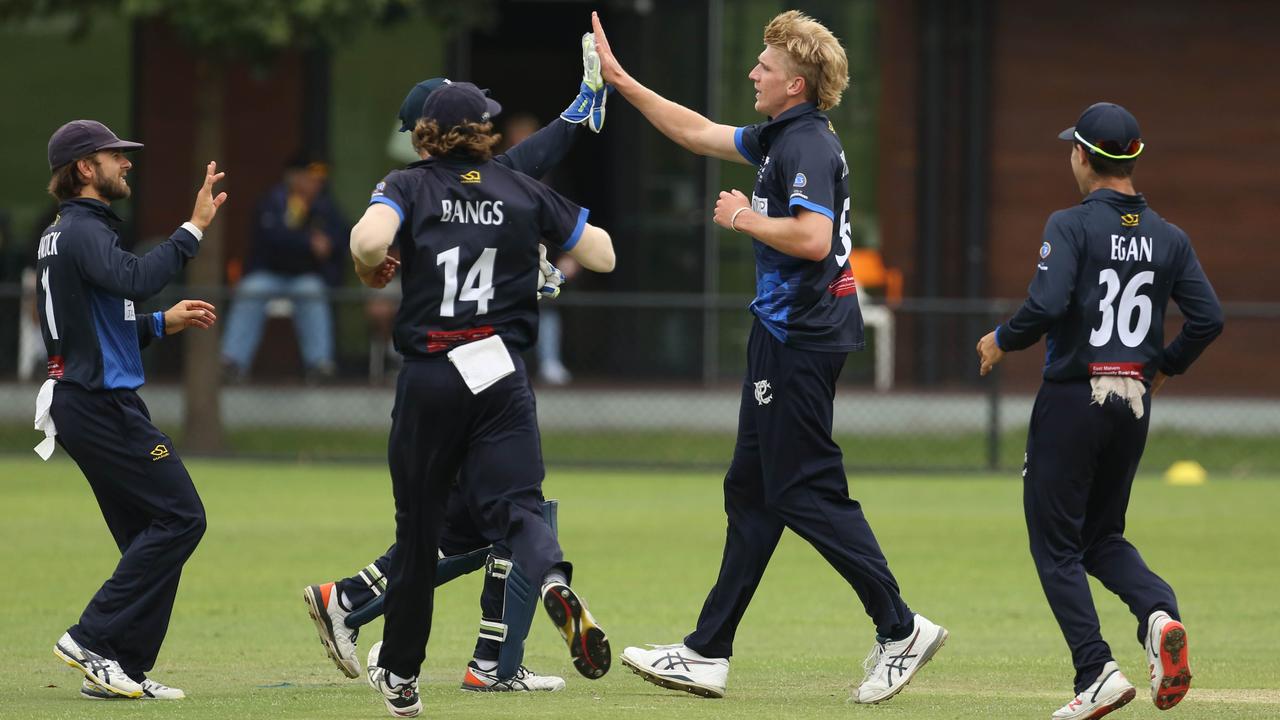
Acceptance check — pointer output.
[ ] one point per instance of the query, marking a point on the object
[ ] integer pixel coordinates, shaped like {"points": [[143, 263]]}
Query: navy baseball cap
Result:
{"points": [[457, 102], [83, 137], [1108, 130], [411, 108]]}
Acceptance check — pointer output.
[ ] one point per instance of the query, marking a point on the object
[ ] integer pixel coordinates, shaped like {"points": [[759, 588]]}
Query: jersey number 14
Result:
{"points": [[477, 287], [1132, 330]]}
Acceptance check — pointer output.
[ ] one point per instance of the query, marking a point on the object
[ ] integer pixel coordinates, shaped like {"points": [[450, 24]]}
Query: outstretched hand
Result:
{"points": [[188, 313], [206, 203], [610, 68]]}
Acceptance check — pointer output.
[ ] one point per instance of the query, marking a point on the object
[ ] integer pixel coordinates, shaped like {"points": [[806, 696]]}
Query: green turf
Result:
{"points": [[646, 548]]}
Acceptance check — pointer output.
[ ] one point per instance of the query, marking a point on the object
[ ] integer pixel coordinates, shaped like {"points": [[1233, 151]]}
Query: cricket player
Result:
{"points": [[507, 608], [90, 405], [787, 471], [1105, 273], [469, 230]]}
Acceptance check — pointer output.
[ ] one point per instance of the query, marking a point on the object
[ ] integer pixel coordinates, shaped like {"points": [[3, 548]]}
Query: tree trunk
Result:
{"points": [[202, 371]]}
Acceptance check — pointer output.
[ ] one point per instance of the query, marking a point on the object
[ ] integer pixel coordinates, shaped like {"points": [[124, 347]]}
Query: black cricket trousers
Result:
{"points": [[1081, 459], [439, 428], [787, 472], [151, 508]]}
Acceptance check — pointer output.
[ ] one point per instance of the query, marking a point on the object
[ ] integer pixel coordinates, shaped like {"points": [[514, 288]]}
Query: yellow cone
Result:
{"points": [[1185, 473]]}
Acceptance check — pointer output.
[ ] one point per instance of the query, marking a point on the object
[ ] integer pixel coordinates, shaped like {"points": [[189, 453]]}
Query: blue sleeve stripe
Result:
{"points": [[576, 235], [742, 149], [808, 205], [157, 323], [388, 201]]}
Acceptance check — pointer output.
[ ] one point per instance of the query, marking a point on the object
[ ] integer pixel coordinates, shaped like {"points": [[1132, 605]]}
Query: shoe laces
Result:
{"points": [[872, 661]]}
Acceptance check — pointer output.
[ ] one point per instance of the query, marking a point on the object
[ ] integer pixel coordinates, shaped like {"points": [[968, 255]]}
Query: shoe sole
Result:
{"points": [[588, 645], [1107, 708], [410, 712], [925, 657], [671, 683], [320, 616], [70, 660], [1175, 667]]}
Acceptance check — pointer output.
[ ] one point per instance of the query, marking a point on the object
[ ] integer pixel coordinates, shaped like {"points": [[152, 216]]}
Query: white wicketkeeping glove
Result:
{"points": [[549, 276]]}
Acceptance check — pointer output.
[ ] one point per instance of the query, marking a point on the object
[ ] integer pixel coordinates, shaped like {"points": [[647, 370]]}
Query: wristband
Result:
{"points": [[734, 218]]}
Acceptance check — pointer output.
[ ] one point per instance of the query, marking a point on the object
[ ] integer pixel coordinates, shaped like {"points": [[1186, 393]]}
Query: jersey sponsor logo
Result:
{"points": [[844, 284], [129, 314], [1130, 248], [800, 180], [470, 177], [1121, 369], [159, 452], [1130, 219], [1045, 249], [472, 212], [55, 366], [764, 392], [764, 165], [48, 245], [441, 340], [759, 204]]}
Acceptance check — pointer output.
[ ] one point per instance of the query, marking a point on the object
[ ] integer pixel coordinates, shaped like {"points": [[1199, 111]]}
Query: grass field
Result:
{"points": [[646, 548]]}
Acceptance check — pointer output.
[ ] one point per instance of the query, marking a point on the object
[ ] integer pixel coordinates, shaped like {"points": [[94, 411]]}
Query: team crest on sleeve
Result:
{"points": [[800, 180], [379, 189], [1045, 249]]}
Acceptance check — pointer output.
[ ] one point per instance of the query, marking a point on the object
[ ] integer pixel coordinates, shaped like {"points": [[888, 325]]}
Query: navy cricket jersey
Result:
{"points": [[804, 304], [468, 240], [1107, 269], [87, 286]]}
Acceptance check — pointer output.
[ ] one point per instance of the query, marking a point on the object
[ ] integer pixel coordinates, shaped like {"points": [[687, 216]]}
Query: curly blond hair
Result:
{"points": [[815, 54], [470, 140]]}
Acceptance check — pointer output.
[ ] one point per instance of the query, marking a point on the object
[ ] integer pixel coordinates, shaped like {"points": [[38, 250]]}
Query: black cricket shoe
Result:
{"points": [[588, 645]]}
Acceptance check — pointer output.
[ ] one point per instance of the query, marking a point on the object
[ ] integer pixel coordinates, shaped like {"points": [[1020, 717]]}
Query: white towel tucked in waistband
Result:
{"points": [[44, 421], [1129, 389]]}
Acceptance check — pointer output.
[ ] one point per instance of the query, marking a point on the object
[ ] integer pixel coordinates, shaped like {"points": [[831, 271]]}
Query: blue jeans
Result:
{"points": [[312, 320]]}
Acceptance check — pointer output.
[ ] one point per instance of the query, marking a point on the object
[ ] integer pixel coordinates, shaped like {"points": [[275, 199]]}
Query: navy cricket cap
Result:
{"points": [[459, 102], [1108, 130], [411, 108], [83, 137]]}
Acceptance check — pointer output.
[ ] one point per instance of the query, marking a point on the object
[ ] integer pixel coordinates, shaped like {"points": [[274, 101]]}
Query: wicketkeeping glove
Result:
{"points": [[588, 107], [549, 276]]}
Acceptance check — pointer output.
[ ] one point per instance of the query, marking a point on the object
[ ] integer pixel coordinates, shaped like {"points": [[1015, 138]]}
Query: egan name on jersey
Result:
{"points": [[1130, 248], [471, 212]]}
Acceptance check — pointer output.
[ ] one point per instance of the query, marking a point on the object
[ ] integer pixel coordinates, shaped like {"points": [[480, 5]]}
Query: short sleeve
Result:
{"points": [[747, 140], [810, 177], [559, 220], [393, 193]]}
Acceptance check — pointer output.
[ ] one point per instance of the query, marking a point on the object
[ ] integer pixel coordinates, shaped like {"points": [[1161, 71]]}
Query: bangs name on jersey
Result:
{"points": [[471, 212]]}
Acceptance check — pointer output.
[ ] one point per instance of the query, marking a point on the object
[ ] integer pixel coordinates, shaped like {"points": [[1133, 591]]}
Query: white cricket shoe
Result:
{"points": [[339, 640], [401, 699], [525, 680], [1167, 658], [679, 668], [892, 664], [104, 672], [1111, 691], [151, 690]]}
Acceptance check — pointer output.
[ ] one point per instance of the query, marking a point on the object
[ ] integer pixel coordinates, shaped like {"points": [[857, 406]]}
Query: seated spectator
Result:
{"points": [[297, 251]]}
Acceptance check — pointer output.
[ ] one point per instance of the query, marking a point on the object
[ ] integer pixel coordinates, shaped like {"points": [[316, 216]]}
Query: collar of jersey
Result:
{"points": [[96, 207], [1114, 197]]}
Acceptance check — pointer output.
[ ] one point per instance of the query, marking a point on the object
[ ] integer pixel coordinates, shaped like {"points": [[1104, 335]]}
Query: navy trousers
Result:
{"points": [[1081, 459], [439, 428], [151, 508], [787, 472]]}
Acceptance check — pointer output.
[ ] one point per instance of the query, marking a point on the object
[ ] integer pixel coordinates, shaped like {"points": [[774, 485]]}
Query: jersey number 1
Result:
{"points": [[1131, 331], [478, 285]]}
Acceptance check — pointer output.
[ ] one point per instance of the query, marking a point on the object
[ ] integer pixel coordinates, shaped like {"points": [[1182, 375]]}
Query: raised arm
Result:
{"points": [[687, 128]]}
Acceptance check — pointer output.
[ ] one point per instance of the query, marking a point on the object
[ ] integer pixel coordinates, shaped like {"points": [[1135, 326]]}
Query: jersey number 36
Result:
{"points": [[1132, 330]]}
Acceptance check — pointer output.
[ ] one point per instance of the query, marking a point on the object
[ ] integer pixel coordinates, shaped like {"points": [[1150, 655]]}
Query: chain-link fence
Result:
{"points": [[655, 380]]}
